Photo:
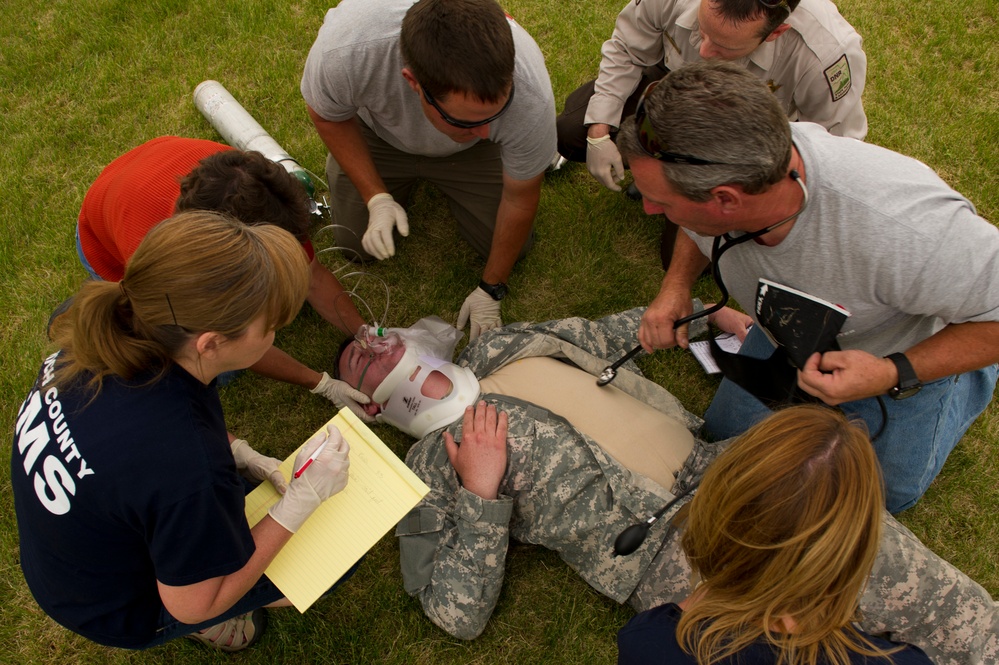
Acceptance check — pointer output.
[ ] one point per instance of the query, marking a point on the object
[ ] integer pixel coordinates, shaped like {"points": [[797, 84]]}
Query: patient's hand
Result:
{"points": [[731, 321], [480, 458]]}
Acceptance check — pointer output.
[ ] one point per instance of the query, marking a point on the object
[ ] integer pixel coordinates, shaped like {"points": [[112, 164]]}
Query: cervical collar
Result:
{"points": [[406, 408]]}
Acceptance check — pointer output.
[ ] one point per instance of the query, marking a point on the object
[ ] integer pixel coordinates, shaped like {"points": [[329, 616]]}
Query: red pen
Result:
{"points": [[312, 457]]}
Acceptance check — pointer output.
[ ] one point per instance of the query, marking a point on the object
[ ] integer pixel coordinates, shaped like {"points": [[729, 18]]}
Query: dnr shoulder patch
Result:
{"points": [[838, 77]]}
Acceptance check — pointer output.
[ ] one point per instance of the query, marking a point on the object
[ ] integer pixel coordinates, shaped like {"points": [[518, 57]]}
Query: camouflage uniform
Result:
{"points": [[563, 492]]}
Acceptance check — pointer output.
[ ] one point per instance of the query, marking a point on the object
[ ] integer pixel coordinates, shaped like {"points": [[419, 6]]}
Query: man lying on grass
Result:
{"points": [[576, 465]]}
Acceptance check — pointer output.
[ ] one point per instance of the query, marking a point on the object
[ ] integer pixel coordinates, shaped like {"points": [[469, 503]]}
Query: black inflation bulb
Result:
{"points": [[631, 539]]}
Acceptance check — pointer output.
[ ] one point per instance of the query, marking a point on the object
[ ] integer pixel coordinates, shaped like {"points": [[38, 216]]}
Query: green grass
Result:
{"points": [[84, 82]]}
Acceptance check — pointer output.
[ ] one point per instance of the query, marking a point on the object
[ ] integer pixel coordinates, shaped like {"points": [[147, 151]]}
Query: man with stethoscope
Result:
{"points": [[846, 222]]}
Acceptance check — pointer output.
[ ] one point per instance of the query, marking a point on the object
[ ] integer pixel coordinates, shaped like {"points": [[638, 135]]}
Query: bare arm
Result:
{"points": [[328, 297], [673, 301], [278, 365], [844, 376], [598, 129], [514, 219], [731, 321], [344, 141], [956, 349], [199, 602], [327, 474]]}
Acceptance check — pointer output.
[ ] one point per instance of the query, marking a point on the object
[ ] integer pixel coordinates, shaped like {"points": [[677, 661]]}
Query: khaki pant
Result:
{"points": [[472, 181]]}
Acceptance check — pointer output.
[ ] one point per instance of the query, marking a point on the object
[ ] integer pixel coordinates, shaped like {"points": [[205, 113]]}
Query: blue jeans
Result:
{"points": [[83, 259], [916, 440], [263, 593]]}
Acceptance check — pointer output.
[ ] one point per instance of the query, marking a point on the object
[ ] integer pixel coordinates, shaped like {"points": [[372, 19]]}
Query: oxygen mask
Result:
{"points": [[377, 339]]}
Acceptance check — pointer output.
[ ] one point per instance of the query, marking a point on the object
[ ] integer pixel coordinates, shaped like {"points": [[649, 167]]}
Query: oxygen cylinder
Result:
{"points": [[240, 130]]}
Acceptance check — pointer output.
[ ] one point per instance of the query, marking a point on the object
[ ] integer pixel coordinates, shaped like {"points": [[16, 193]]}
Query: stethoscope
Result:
{"points": [[717, 249], [632, 538]]}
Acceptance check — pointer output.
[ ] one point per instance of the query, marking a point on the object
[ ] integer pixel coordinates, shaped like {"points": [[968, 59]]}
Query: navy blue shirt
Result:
{"points": [[113, 494], [650, 637]]}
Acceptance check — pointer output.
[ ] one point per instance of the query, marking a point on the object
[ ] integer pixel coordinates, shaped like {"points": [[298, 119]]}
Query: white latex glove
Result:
{"points": [[256, 466], [384, 215], [323, 478], [343, 395], [603, 161], [482, 310]]}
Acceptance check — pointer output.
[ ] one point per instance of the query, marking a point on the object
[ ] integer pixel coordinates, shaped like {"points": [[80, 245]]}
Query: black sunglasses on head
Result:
{"points": [[465, 124], [652, 146]]}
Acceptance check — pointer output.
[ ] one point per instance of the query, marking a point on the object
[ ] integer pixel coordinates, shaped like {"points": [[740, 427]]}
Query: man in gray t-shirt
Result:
{"points": [[843, 221], [453, 92]]}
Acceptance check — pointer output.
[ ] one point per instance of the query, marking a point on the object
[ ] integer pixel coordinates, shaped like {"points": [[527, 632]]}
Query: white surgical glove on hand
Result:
{"points": [[256, 466], [384, 215], [326, 476], [603, 161], [342, 394], [482, 310]]}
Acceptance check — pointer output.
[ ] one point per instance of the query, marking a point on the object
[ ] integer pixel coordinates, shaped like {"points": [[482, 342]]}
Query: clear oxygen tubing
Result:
{"points": [[240, 130], [234, 123]]}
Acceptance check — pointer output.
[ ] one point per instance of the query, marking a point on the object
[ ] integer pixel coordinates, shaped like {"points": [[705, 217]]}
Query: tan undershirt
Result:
{"points": [[639, 437]]}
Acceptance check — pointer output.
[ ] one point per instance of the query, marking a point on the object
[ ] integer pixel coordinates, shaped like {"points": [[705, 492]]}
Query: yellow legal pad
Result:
{"points": [[380, 492]]}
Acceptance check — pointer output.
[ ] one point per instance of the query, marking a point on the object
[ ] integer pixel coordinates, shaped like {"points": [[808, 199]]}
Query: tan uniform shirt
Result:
{"points": [[816, 68]]}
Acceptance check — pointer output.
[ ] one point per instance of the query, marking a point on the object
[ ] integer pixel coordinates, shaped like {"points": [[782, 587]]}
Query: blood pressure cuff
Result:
{"points": [[773, 381]]}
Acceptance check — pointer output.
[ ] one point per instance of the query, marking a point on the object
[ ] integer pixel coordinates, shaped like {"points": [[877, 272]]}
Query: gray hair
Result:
{"points": [[716, 111]]}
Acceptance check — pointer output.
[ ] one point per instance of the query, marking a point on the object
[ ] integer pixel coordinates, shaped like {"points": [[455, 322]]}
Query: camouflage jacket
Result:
{"points": [[563, 492]]}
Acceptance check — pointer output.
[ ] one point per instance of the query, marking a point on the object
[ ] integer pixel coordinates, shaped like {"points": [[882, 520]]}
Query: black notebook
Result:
{"points": [[800, 323]]}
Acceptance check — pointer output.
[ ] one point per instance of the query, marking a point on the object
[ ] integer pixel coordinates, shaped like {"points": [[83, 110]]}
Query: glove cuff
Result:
{"points": [[296, 506], [378, 197], [597, 142], [239, 448], [321, 386]]}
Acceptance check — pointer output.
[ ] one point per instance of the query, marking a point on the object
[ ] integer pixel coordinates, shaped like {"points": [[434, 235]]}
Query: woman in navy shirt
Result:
{"points": [[129, 504]]}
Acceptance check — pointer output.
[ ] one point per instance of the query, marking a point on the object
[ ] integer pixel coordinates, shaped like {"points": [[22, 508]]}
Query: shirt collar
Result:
{"points": [[688, 17], [763, 56]]}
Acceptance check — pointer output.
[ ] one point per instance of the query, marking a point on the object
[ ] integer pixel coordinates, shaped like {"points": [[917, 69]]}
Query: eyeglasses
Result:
{"points": [[778, 4], [652, 146], [465, 124]]}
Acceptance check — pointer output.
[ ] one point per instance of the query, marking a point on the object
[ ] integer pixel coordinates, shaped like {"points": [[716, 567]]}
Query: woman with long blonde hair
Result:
{"points": [[782, 534], [128, 501]]}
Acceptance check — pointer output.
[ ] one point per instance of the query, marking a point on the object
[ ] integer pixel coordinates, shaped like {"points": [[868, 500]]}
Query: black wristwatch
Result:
{"points": [[495, 291], [908, 383]]}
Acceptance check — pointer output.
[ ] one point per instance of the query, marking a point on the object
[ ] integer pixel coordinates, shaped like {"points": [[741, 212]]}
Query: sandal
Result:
{"points": [[235, 634]]}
